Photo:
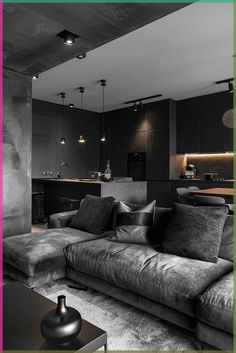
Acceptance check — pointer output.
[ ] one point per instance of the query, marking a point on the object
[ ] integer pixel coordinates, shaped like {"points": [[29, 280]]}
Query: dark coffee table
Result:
{"points": [[23, 310]]}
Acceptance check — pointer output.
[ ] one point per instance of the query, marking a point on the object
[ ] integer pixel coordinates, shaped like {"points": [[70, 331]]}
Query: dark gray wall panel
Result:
{"points": [[16, 154], [50, 123], [43, 154], [151, 130]]}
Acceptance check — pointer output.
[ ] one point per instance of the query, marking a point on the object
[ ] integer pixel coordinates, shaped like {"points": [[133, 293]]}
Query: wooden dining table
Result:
{"points": [[216, 192]]}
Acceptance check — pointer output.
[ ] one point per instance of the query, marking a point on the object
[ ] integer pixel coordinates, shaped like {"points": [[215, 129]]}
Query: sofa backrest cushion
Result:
{"points": [[195, 232], [133, 226], [161, 218], [94, 214], [226, 245]]}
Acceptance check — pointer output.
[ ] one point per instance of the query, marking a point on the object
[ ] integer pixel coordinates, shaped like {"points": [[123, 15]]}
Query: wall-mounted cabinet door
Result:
{"points": [[211, 134], [228, 139], [187, 128], [199, 124]]}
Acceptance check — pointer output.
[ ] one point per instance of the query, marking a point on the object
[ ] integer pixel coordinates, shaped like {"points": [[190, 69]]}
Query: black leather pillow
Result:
{"points": [[133, 226], [195, 232], [93, 214]]}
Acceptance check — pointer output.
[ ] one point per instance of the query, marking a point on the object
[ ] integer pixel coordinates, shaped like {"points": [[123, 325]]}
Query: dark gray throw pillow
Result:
{"points": [[195, 232], [227, 240], [133, 226], [93, 214]]}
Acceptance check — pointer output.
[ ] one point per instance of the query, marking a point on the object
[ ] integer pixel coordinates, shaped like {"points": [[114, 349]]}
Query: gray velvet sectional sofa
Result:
{"points": [[193, 294]]}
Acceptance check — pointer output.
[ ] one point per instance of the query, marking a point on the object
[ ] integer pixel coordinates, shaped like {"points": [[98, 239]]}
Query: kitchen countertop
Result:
{"points": [[204, 180], [81, 181], [67, 180]]}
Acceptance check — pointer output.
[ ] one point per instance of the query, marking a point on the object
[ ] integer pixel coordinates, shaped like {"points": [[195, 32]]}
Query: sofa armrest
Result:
{"points": [[60, 220]]}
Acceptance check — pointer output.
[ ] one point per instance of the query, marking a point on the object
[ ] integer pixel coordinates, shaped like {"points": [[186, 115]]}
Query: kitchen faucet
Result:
{"points": [[64, 164]]}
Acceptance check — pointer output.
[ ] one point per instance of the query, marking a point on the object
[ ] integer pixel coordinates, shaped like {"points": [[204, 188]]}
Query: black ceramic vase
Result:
{"points": [[61, 325]]}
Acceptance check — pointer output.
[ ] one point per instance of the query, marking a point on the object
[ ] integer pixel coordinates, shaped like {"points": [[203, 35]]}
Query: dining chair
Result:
{"points": [[205, 200], [184, 196]]}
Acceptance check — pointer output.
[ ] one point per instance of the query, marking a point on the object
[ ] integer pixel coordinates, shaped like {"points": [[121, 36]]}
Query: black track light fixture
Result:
{"points": [[138, 106], [229, 82], [68, 37], [103, 84], [63, 139], [138, 103], [71, 105], [135, 107], [35, 77], [231, 87]]}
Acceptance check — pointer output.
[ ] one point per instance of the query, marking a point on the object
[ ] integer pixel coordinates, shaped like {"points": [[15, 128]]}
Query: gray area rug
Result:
{"points": [[128, 328]]}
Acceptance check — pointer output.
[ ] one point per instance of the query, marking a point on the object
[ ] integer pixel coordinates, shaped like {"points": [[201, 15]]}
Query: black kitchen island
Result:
{"points": [[56, 189]]}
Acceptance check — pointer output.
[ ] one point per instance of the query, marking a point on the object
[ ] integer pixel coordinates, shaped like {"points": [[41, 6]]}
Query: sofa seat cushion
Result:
{"points": [[168, 279], [215, 305], [33, 253]]}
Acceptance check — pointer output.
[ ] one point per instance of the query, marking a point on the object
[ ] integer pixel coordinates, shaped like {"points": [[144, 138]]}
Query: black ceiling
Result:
{"points": [[30, 42]]}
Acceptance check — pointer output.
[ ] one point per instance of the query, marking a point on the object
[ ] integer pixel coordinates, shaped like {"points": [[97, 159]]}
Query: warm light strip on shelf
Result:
{"points": [[223, 154]]}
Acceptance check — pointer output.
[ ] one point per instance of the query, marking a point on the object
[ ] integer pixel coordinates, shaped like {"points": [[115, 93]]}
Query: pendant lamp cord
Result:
{"points": [[63, 102], [103, 104], [81, 104]]}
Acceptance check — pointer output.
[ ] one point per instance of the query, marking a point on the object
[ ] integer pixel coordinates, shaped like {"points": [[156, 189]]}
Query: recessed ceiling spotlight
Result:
{"points": [[68, 37], [35, 77], [81, 56], [71, 105]]}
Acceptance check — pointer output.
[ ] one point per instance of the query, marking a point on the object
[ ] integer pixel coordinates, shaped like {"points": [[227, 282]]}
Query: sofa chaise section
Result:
{"points": [[36, 258]]}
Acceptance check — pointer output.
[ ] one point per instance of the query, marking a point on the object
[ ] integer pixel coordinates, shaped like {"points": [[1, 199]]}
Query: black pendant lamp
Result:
{"points": [[81, 89], [103, 136], [63, 139]]}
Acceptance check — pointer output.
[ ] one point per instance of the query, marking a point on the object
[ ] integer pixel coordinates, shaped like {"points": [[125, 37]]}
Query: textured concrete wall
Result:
{"points": [[17, 119]]}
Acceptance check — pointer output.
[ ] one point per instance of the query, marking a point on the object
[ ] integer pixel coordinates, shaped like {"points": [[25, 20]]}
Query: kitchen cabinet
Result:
{"points": [[228, 139], [187, 128], [211, 135], [199, 124]]}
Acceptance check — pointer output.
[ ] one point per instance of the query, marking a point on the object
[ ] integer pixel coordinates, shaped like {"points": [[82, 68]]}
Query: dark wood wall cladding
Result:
{"points": [[151, 130], [53, 121], [30, 50], [17, 123], [199, 124]]}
